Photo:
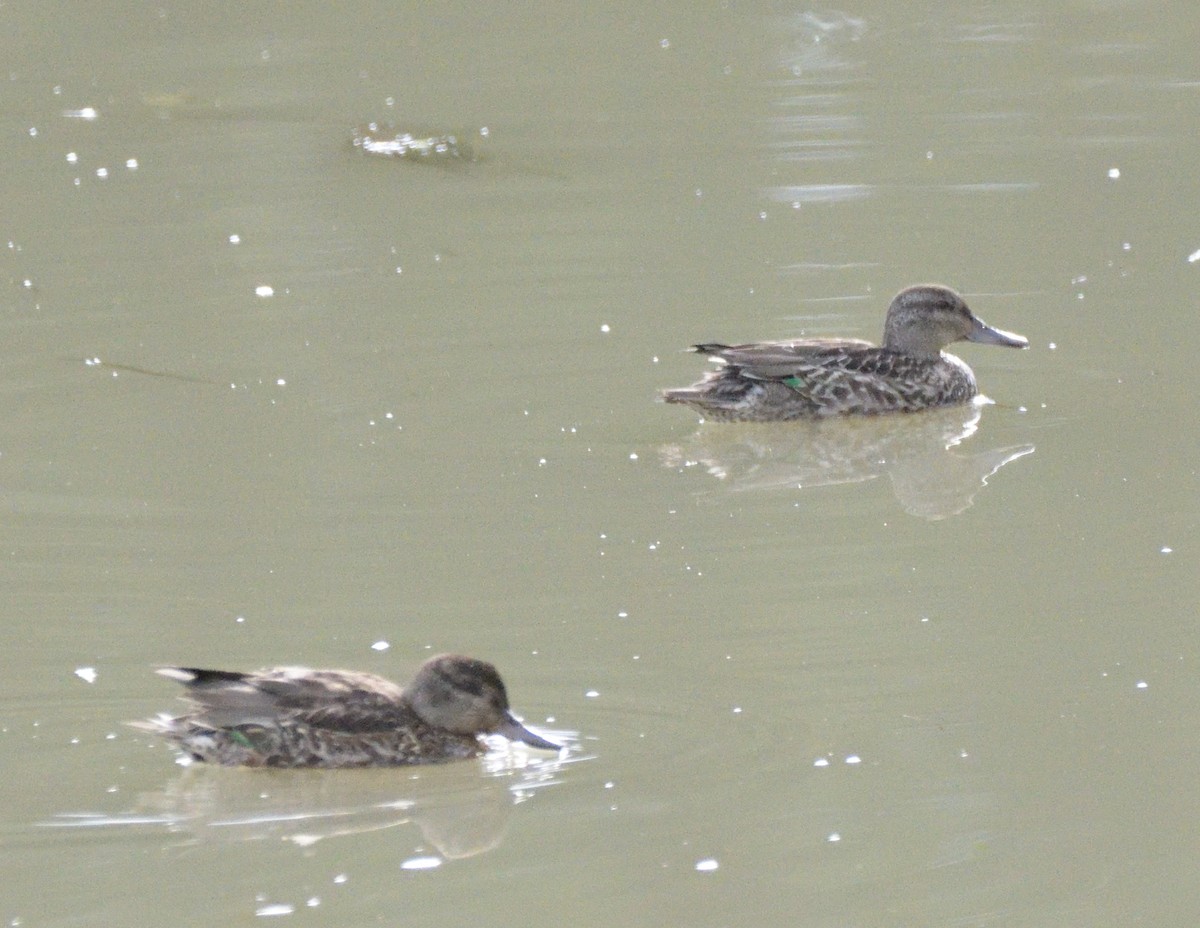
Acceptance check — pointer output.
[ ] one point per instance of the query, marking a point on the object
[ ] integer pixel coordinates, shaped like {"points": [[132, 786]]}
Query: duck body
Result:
{"points": [[822, 377], [297, 717]]}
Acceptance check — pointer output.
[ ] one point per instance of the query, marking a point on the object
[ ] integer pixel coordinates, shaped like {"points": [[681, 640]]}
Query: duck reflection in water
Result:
{"points": [[459, 812], [931, 477]]}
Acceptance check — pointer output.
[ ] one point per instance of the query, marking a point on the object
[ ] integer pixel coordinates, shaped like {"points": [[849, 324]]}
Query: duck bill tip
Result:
{"points": [[515, 731]]}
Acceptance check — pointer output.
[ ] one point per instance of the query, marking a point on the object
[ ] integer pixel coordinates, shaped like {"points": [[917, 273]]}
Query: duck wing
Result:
{"points": [[871, 380], [330, 699], [781, 359]]}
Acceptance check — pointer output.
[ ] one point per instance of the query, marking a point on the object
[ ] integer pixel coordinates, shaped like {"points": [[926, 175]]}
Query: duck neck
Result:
{"points": [[912, 340]]}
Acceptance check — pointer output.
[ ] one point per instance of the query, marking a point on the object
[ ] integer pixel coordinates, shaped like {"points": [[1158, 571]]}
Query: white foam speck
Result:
{"points": [[421, 863]]}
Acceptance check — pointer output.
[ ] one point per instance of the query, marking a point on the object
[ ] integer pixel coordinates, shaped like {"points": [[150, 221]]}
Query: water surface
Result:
{"points": [[271, 400]]}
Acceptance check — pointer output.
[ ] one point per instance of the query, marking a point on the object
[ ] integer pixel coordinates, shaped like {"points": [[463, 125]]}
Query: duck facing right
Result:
{"points": [[298, 717], [816, 378]]}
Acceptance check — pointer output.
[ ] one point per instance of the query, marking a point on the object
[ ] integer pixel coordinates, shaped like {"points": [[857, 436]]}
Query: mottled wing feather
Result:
{"points": [[335, 700], [877, 380], [358, 715], [776, 360], [821, 378], [854, 381]]}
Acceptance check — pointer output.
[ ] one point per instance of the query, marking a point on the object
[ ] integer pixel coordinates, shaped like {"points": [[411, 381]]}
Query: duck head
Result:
{"points": [[467, 696], [924, 319]]}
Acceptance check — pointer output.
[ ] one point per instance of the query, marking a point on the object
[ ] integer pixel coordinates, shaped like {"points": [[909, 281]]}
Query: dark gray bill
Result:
{"points": [[515, 731], [986, 335]]}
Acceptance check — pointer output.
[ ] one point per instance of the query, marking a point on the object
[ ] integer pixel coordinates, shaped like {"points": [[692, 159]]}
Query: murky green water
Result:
{"points": [[930, 672]]}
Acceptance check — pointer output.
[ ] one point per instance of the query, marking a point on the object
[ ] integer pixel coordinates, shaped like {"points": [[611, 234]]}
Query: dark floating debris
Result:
{"points": [[390, 142]]}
